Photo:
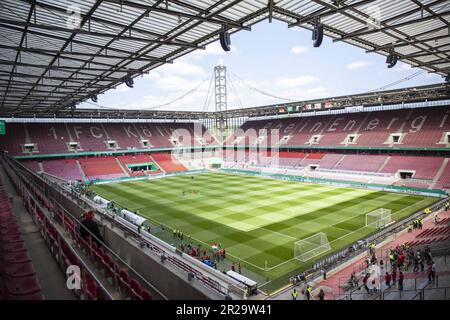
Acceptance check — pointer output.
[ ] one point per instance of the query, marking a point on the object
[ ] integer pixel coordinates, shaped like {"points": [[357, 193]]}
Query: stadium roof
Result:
{"points": [[423, 94], [55, 54]]}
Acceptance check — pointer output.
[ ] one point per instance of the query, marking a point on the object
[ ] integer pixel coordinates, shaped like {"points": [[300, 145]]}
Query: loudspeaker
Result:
{"points": [[129, 82], [392, 60], [317, 35], [225, 41], [94, 98]]}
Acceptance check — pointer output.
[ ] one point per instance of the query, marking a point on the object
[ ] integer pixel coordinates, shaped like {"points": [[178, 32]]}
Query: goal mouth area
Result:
{"points": [[311, 247]]}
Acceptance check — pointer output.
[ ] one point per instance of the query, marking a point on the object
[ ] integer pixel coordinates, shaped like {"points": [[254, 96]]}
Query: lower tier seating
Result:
{"points": [[167, 162], [65, 169], [101, 168]]}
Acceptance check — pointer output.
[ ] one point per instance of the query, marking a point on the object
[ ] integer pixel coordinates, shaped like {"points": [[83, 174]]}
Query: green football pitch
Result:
{"points": [[258, 219]]}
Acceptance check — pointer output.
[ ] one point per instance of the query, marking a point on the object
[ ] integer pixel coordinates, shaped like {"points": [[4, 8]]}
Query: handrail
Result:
{"points": [[97, 239], [61, 236], [203, 279]]}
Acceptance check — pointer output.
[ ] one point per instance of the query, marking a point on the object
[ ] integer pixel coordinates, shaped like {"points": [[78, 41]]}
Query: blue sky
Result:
{"points": [[272, 58]]}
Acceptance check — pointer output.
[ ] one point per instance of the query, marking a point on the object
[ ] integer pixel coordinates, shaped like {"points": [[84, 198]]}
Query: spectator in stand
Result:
{"points": [[387, 279], [436, 218], [365, 279], [401, 276], [416, 264], [394, 275], [422, 264], [431, 271], [401, 260], [321, 294], [88, 226], [447, 205]]}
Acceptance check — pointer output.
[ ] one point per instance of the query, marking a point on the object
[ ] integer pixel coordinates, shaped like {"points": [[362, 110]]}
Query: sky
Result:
{"points": [[272, 58]]}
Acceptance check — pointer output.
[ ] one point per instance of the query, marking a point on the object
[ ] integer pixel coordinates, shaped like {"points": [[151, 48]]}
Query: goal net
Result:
{"points": [[378, 218], [311, 247]]}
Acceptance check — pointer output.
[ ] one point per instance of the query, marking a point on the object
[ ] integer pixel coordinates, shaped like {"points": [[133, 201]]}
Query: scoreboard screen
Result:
{"points": [[2, 128]]}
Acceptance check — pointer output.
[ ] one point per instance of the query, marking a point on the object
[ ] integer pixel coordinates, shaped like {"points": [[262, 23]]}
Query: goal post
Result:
{"points": [[311, 247], [379, 218]]}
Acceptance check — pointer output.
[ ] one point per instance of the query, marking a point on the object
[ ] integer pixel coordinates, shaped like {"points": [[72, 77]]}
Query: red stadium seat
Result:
{"points": [[19, 270], [11, 238], [136, 290], [146, 295], [13, 247], [90, 287], [22, 286], [124, 283], [16, 257]]}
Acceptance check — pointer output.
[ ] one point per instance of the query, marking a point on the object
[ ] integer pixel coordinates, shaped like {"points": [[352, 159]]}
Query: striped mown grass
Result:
{"points": [[257, 219]]}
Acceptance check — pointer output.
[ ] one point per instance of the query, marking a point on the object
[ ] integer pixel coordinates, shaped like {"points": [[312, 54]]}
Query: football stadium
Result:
{"points": [[216, 185]]}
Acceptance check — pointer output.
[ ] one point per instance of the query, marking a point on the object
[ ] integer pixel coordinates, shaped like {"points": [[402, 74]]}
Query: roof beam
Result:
{"points": [[67, 54], [366, 31], [61, 68], [168, 35], [179, 13], [5, 22], [434, 62], [405, 43], [322, 12], [67, 42], [22, 40]]}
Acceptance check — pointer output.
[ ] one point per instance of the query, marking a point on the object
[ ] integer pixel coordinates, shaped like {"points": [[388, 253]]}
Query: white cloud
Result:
{"points": [[299, 50], [359, 64], [317, 92], [296, 82], [181, 68]]}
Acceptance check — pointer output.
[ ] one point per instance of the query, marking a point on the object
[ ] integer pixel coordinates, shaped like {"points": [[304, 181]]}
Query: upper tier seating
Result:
{"points": [[51, 138], [421, 127]]}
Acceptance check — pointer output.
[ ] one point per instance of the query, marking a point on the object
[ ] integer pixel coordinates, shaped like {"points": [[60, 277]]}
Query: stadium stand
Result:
{"points": [[51, 138], [327, 161], [102, 168], [424, 167], [136, 159], [365, 163], [33, 165], [167, 162], [422, 127], [443, 181], [67, 169], [18, 279]]}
